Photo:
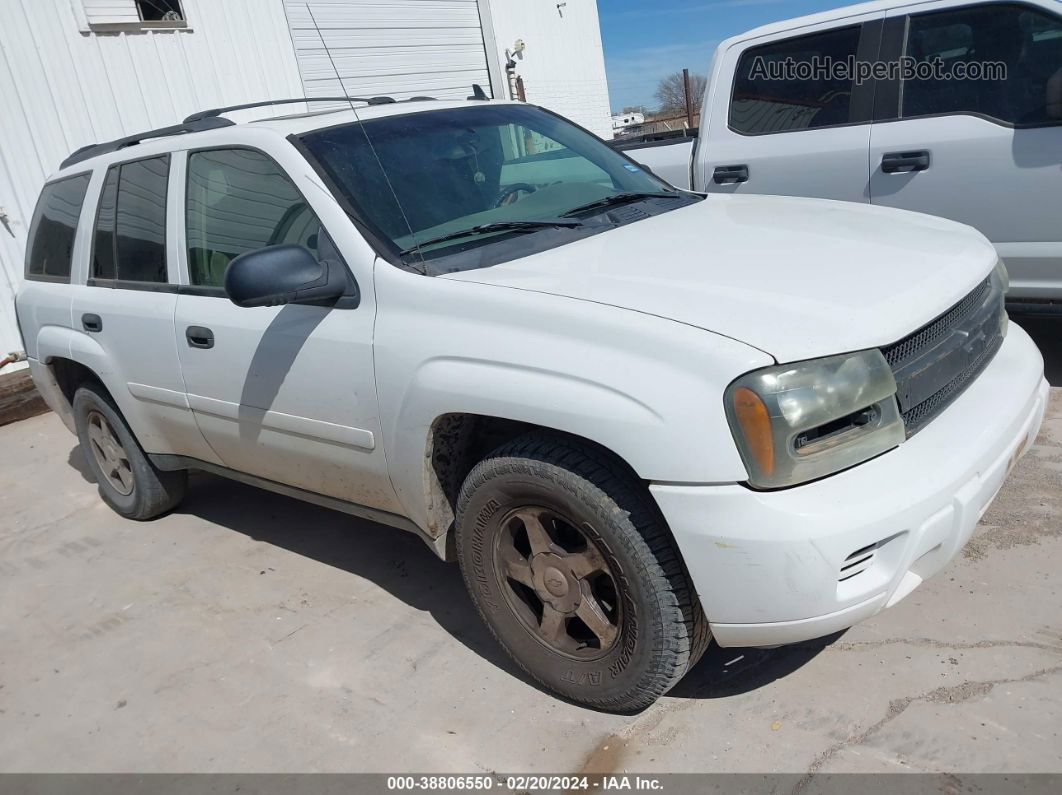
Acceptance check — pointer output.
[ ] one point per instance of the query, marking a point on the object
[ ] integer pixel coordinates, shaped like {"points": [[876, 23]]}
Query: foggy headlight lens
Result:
{"points": [[798, 422]]}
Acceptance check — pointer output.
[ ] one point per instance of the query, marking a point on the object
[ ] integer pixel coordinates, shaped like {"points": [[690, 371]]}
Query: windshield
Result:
{"points": [[438, 183]]}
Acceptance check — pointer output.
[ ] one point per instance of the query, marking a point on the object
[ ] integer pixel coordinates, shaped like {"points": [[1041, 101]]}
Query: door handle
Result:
{"points": [[93, 323], [199, 337], [731, 175], [905, 162]]}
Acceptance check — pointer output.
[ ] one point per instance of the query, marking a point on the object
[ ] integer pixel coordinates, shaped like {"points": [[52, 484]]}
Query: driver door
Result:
{"points": [[282, 393]]}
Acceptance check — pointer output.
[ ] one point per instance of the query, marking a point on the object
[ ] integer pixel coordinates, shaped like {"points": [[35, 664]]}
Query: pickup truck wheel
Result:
{"points": [[573, 569], [127, 481]]}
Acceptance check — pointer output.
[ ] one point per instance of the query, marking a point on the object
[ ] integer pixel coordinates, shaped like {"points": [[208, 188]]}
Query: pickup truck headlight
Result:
{"points": [[798, 422]]}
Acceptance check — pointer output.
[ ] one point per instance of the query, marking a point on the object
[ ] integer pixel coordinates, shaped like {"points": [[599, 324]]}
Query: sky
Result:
{"points": [[646, 40]]}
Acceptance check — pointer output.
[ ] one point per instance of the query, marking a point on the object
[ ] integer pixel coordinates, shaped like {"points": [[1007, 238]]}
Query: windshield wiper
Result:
{"points": [[619, 198], [496, 226]]}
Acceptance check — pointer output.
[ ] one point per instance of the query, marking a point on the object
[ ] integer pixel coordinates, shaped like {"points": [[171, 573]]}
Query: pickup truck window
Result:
{"points": [[239, 200], [499, 172], [767, 99], [51, 234], [1026, 40], [129, 240]]}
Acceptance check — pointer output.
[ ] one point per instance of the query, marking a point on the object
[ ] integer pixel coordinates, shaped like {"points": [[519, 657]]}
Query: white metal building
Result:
{"points": [[75, 72]]}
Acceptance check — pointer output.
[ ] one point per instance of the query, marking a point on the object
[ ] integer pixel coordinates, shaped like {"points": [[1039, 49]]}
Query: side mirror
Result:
{"points": [[286, 274]]}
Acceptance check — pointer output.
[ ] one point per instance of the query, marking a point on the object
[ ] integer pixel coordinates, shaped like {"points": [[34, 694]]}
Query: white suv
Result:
{"points": [[638, 418]]}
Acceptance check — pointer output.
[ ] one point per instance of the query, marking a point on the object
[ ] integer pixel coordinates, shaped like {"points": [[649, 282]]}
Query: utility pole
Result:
{"points": [[689, 105]]}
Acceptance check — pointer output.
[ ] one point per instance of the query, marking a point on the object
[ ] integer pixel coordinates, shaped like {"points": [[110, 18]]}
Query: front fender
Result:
{"points": [[648, 389]]}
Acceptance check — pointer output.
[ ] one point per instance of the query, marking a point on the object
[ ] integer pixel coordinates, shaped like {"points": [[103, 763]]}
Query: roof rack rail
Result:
{"points": [[92, 150], [210, 120], [214, 112]]}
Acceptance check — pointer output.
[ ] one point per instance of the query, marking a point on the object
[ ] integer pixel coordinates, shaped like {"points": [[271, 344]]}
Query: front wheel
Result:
{"points": [[573, 569]]}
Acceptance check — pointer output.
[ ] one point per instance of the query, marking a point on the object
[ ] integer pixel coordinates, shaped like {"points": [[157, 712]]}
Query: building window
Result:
{"points": [[132, 14], [160, 10]]}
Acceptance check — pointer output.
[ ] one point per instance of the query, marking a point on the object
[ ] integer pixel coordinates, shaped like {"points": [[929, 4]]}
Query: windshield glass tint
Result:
{"points": [[431, 174]]}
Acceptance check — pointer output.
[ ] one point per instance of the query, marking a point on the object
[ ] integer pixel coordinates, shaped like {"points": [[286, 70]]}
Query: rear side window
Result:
{"points": [[52, 230], [240, 200], [1000, 61], [787, 86], [129, 240]]}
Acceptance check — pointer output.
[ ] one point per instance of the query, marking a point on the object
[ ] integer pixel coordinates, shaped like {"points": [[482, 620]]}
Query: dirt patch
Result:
{"points": [[1029, 509]]}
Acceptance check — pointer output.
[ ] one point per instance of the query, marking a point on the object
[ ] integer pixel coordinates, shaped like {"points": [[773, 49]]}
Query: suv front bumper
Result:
{"points": [[780, 567]]}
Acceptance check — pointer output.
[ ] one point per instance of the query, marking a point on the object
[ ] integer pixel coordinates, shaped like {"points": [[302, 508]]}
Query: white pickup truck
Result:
{"points": [[947, 138], [638, 417]]}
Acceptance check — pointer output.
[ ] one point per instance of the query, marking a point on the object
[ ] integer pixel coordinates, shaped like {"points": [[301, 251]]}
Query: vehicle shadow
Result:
{"points": [[1047, 333], [394, 560], [402, 565], [722, 673]]}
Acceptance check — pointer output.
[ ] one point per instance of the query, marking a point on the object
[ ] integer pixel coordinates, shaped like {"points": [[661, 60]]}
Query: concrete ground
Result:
{"points": [[250, 632]]}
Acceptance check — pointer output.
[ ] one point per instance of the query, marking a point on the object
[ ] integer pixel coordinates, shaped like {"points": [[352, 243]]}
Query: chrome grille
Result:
{"points": [[935, 364]]}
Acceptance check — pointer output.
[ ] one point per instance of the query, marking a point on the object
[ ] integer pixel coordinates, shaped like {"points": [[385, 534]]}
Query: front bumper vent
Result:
{"points": [[858, 562]]}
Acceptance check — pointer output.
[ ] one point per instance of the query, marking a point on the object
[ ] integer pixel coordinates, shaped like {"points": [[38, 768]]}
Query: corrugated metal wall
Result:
{"points": [[399, 48], [61, 88], [563, 66]]}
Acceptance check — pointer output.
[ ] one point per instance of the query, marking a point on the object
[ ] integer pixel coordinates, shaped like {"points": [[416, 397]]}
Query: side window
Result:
{"points": [[788, 85], [1001, 60], [240, 200], [129, 240], [52, 230]]}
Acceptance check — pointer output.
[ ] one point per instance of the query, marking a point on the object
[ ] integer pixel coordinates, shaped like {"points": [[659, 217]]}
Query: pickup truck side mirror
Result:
{"points": [[285, 274]]}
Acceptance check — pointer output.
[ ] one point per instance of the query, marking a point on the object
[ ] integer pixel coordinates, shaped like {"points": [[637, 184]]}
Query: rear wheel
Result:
{"points": [[572, 567], [127, 480]]}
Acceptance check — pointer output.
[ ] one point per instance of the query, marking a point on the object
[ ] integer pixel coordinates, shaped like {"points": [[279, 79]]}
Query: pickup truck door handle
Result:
{"points": [[199, 337], [93, 323], [905, 162], [730, 175]]}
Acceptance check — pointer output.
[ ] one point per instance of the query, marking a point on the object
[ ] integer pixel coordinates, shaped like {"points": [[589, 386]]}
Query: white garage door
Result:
{"points": [[397, 48]]}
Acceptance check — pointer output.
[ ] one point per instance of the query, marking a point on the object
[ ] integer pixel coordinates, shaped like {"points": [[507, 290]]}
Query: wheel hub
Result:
{"points": [[555, 583]]}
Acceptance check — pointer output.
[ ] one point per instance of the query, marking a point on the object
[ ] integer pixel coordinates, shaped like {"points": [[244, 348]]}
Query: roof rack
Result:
{"points": [[214, 112], [92, 150], [211, 120]]}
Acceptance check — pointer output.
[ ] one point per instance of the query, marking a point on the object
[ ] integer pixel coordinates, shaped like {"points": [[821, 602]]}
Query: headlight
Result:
{"points": [[798, 422]]}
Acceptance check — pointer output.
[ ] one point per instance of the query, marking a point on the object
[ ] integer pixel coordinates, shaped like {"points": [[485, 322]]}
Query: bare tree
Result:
{"points": [[672, 97]]}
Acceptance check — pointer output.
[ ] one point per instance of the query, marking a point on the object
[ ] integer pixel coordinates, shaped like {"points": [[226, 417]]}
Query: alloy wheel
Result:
{"points": [[110, 456], [558, 583]]}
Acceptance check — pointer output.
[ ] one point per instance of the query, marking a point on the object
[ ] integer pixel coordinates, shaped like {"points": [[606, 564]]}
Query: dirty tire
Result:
{"points": [[653, 629], [153, 492]]}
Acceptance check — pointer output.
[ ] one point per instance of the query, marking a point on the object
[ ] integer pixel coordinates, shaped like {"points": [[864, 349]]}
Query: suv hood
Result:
{"points": [[796, 278]]}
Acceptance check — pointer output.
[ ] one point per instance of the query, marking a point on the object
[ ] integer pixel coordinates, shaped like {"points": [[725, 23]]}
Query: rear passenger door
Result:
{"points": [[123, 310], [790, 124], [983, 151], [283, 393]]}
